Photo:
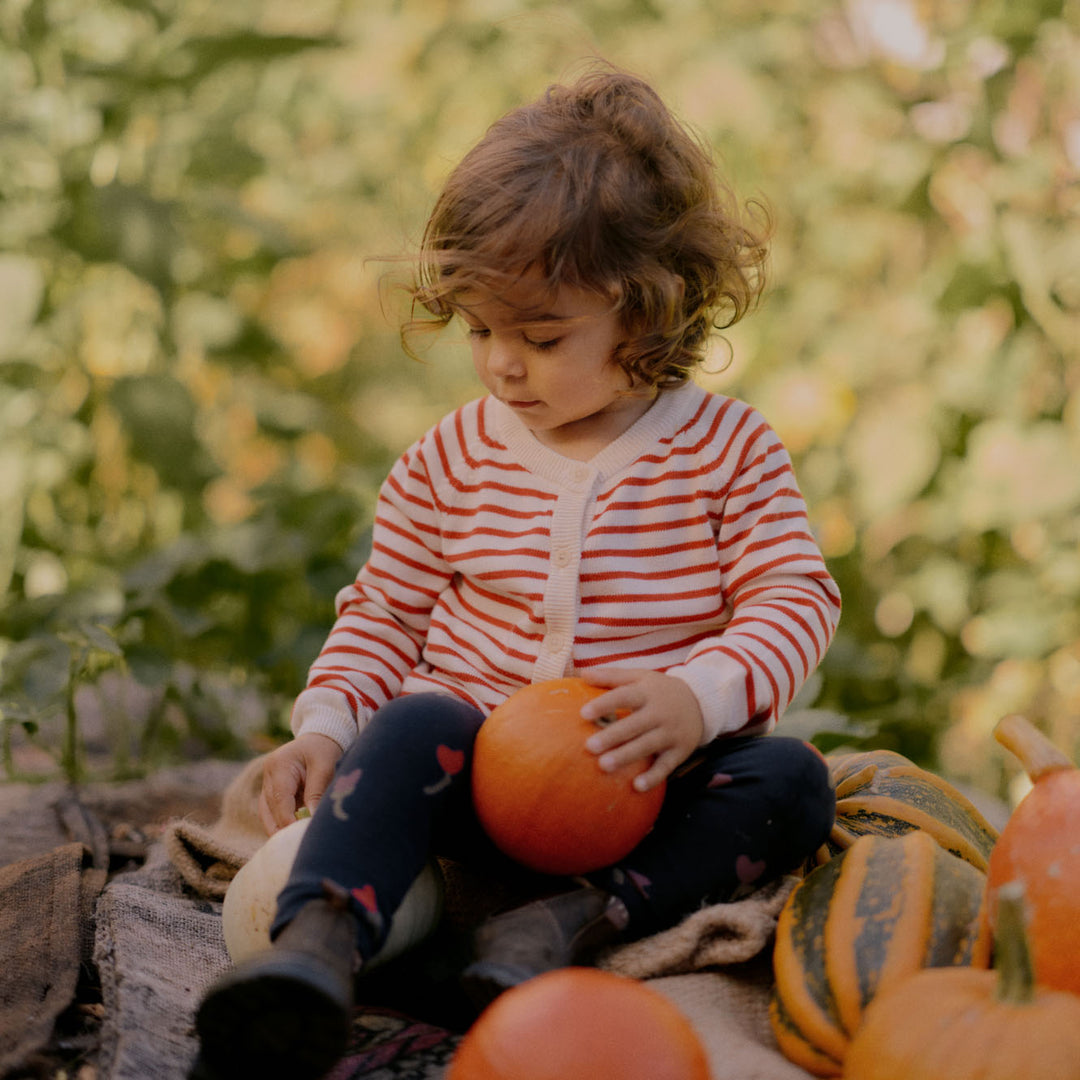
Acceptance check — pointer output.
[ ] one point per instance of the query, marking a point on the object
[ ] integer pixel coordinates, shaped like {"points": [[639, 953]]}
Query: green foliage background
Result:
{"points": [[201, 385]]}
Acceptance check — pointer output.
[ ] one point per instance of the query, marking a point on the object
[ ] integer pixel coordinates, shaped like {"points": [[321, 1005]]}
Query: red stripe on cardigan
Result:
{"points": [[464, 447], [463, 646]]}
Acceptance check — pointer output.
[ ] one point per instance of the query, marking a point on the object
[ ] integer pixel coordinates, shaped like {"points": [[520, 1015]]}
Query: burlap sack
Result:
{"points": [[46, 903], [715, 936], [208, 856], [716, 965], [729, 1009], [158, 948]]}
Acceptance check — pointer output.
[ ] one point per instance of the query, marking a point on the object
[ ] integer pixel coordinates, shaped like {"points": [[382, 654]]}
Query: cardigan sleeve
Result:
{"points": [[785, 603], [383, 616]]}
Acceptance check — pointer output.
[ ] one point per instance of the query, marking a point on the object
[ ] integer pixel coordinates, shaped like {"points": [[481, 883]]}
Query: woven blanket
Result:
{"points": [[159, 945]]}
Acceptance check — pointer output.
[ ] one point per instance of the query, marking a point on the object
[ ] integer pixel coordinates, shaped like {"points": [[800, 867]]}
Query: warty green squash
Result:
{"points": [[882, 793], [880, 910]]}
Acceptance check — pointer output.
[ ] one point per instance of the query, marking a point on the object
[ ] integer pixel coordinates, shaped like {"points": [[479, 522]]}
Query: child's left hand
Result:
{"points": [[662, 718]]}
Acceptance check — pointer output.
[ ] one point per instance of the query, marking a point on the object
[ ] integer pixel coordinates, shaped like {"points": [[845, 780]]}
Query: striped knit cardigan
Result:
{"points": [[683, 547]]}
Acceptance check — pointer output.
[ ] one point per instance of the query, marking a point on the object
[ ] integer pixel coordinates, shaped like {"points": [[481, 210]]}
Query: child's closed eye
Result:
{"points": [[542, 345]]}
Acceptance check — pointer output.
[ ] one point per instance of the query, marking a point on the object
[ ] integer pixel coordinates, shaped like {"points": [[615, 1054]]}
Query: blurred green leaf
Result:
{"points": [[159, 413], [37, 670], [825, 728], [201, 383]]}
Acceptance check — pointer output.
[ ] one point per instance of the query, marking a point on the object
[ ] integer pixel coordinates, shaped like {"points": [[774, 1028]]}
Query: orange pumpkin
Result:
{"points": [[580, 1024], [542, 797], [964, 1023], [1040, 846]]}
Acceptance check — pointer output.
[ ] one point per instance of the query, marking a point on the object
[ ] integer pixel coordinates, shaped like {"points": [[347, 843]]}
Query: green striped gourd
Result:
{"points": [[881, 793], [880, 910]]}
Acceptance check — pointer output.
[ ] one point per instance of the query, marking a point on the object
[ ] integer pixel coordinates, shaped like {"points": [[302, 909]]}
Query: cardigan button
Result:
{"points": [[562, 557]]}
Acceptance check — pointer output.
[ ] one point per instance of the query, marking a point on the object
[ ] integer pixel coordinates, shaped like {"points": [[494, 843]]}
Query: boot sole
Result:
{"points": [[275, 1019]]}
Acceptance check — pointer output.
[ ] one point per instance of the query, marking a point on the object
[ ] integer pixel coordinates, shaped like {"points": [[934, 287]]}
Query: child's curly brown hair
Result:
{"points": [[597, 185]]}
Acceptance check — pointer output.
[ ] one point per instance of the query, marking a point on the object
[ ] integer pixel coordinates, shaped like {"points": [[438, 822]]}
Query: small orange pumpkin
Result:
{"points": [[1040, 846], [580, 1024], [965, 1023], [542, 797]]}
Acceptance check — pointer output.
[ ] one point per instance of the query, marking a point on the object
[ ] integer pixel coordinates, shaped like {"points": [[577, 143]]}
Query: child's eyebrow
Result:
{"points": [[545, 319], [526, 319]]}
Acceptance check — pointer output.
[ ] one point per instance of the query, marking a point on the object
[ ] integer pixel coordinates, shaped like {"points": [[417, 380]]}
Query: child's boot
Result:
{"points": [[285, 1013], [555, 932]]}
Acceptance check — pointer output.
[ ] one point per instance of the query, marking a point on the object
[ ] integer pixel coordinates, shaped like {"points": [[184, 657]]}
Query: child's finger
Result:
{"points": [[635, 745], [266, 816], [610, 676], [619, 699], [658, 772], [320, 775], [277, 804], [619, 732]]}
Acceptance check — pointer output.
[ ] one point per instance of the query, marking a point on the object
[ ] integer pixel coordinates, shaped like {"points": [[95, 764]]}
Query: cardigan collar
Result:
{"points": [[671, 410]]}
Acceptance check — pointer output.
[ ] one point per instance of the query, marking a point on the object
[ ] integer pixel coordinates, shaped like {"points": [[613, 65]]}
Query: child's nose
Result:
{"points": [[503, 360]]}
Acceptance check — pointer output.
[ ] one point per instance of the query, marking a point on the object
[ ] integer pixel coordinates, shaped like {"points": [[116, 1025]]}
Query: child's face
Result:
{"points": [[553, 366]]}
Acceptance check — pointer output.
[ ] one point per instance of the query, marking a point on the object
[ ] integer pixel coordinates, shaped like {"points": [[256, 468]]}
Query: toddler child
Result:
{"points": [[596, 513]]}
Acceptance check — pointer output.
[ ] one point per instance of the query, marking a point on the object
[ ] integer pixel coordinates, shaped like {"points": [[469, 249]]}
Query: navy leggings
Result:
{"points": [[739, 812]]}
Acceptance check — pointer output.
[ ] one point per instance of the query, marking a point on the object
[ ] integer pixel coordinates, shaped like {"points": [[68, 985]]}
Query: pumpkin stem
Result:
{"points": [[1036, 752], [1012, 955]]}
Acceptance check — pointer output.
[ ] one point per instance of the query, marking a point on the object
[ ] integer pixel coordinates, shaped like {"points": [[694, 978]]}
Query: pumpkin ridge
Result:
{"points": [[896, 903], [846, 765], [910, 784], [968, 816], [954, 941], [795, 1047], [885, 807], [855, 782], [849, 827], [944, 797], [910, 940], [802, 984], [956, 1015], [848, 923]]}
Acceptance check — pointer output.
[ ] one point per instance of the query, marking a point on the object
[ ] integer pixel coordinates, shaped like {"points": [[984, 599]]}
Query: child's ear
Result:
{"points": [[618, 358]]}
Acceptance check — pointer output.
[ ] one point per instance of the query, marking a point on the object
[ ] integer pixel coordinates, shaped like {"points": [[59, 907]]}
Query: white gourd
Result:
{"points": [[251, 901]]}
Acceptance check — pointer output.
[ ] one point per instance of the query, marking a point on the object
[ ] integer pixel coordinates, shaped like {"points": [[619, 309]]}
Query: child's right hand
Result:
{"points": [[296, 774]]}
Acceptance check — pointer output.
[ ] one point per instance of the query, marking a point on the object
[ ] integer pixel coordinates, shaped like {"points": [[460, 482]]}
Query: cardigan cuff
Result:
{"points": [[324, 712], [719, 684]]}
